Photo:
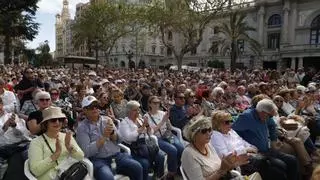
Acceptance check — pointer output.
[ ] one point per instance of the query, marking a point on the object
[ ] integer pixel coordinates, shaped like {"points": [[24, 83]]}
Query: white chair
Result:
{"points": [[30, 176], [179, 135], [184, 176]]}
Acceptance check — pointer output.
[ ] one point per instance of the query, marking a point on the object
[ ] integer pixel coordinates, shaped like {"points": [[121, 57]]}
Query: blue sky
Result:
{"points": [[46, 17]]}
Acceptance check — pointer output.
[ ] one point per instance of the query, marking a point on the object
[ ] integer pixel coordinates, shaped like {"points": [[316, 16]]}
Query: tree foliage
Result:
{"points": [[43, 56], [186, 19], [102, 24], [17, 20], [230, 32]]}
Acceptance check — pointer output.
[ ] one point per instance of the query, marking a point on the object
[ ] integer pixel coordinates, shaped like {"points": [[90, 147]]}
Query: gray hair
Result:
{"points": [[42, 94], [216, 90], [266, 105], [131, 105]]}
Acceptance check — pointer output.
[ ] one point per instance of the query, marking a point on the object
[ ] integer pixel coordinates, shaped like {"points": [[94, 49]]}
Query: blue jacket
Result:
{"points": [[253, 130]]}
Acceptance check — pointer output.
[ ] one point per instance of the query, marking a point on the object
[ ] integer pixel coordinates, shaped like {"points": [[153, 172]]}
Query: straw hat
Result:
{"points": [[52, 113]]}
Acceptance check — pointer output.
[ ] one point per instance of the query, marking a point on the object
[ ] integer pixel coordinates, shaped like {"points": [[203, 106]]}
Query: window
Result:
{"points": [[169, 52], [274, 21], [162, 50], [170, 36], [273, 40], [194, 51], [315, 31], [153, 49]]}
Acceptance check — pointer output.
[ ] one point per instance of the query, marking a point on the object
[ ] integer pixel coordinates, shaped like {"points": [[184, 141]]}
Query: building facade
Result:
{"points": [[288, 31]]}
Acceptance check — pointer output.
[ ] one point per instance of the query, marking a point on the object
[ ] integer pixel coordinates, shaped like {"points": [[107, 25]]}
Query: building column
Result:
{"points": [[294, 19], [261, 14], [286, 9], [300, 62], [293, 63]]}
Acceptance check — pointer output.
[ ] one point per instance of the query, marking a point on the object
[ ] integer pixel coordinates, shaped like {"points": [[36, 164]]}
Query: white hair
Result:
{"points": [[216, 90], [132, 104], [42, 94], [266, 105]]}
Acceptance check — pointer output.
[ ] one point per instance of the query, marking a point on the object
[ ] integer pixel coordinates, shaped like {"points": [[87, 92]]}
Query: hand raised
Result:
{"points": [[67, 140], [228, 163], [58, 146]]}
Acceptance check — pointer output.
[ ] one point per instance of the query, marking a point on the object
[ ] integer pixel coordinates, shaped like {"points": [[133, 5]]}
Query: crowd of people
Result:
{"points": [[248, 123]]}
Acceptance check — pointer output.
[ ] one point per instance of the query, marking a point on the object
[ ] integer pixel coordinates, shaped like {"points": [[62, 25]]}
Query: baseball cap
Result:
{"points": [[87, 101]]}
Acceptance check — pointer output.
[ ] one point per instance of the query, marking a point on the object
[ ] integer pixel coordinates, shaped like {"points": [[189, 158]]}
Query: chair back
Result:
{"points": [[184, 176]]}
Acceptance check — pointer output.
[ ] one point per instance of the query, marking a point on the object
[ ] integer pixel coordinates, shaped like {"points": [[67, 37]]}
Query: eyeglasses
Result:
{"points": [[206, 130], [92, 107], [42, 100], [228, 122], [155, 102], [61, 120]]}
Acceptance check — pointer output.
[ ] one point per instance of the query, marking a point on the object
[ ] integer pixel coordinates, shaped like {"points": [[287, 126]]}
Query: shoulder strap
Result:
{"points": [[155, 123], [45, 140]]}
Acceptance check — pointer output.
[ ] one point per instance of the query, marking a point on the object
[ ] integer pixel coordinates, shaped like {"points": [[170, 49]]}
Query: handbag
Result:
{"points": [[167, 136], [145, 147], [76, 171]]}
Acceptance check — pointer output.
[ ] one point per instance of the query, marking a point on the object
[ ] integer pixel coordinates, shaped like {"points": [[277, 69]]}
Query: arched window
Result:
{"points": [[274, 21], [315, 31]]}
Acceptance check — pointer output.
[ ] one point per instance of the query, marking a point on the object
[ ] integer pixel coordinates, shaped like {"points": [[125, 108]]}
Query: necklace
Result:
{"points": [[204, 154]]}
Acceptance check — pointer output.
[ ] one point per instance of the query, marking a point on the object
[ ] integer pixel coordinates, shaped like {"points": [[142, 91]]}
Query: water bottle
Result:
{"points": [[114, 166]]}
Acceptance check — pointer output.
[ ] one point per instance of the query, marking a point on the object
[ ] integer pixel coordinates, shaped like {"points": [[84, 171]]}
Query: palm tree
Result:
{"points": [[232, 31]]}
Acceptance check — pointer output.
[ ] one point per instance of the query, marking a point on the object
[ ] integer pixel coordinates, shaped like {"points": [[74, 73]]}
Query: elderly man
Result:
{"points": [[8, 98], [256, 126], [98, 138]]}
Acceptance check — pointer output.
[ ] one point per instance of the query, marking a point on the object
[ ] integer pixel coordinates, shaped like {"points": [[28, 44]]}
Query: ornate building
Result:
{"points": [[288, 30]]}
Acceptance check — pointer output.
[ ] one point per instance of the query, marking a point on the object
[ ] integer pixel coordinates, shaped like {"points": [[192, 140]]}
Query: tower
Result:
{"points": [[65, 14]]}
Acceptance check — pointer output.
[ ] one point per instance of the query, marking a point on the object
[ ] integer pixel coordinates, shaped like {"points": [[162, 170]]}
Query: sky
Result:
{"points": [[46, 17]]}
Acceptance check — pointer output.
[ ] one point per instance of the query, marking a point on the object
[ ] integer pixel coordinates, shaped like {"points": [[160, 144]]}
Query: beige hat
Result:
{"points": [[52, 113], [195, 125]]}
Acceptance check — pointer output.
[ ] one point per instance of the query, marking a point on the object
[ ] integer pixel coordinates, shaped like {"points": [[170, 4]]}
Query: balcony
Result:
{"points": [[301, 49]]}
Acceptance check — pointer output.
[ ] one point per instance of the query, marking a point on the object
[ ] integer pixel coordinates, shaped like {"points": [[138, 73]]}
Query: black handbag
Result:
{"points": [[145, 147], [76, 171]]}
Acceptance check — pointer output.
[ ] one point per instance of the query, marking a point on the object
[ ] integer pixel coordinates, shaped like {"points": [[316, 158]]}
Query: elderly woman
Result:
{"points": [[160, 123], [29, 106], [130, 129], [52, 147], [43, 101], [199, 159], [118, 104]]}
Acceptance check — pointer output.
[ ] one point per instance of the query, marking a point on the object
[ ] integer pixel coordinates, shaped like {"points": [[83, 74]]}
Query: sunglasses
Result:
{"points": [[278, 100], [228, 122], [54, 94], [44, 100], [206, 130], [157, 102], [61, 120]]}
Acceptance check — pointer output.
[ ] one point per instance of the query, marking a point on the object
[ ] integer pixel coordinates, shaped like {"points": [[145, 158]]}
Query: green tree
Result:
{"points": [[17, 21], [185, 20], [102, 24], [231, 31], [44, 58]]}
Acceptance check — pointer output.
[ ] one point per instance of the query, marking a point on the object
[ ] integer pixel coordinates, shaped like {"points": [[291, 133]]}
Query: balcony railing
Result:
{"points": [[301, 47]]}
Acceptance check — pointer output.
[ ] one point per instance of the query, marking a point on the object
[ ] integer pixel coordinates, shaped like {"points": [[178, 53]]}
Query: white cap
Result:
{"points": [[92, 73], [104, 81], [87, 101]]}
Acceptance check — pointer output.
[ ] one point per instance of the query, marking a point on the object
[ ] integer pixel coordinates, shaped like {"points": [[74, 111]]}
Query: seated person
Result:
{"points": [[98, 138], [29, 106], [199, 159], [8, 98], [130, 129], [52, 147], [179, 116], [118, 104], [43, 101], [226, 141], [168, 142], [254, 126]]}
